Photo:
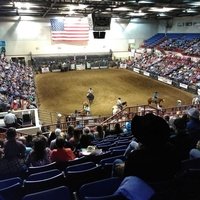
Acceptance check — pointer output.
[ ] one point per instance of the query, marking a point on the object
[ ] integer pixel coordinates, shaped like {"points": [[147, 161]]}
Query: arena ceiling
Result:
{"points": [[124, 9]]}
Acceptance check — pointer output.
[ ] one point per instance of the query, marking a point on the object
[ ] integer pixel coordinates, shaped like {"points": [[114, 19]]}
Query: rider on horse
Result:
{"points": [[90, 91], [155, 97]]}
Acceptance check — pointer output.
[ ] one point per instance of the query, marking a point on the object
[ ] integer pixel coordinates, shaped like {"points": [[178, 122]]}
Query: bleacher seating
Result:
{"points": [[93, 167], [11, 189], [61, 193]]}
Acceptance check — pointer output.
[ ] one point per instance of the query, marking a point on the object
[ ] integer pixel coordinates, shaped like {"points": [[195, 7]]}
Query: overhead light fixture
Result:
{"points": [[162, 15], [137, 14], [164, 9], [190, 10], [20, 5], [143, 2], [122, 9], [195, 3]]}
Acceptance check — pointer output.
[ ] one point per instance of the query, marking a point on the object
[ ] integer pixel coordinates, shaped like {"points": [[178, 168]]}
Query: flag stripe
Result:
{"points": [[74, 29]]}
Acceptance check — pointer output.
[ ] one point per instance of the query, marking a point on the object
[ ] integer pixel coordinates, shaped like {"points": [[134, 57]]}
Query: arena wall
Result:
{"points": [[26, 36], [180, 25]]}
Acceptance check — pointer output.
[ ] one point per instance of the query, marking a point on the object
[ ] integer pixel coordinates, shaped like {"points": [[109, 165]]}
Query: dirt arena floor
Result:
{"points": [[65, 92]]}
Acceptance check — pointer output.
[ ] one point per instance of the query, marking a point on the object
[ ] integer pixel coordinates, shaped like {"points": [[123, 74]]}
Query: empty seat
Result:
{"points": [[60, 193], [43, 180], [118, 147], [190, 164], [43, 175], [97, 158], [82, 166], [110, 160], [11, 189], [37, 169], [74, 179], [102, 189]]}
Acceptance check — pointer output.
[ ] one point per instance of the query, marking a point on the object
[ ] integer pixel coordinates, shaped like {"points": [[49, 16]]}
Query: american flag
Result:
{"points": [[70, 29]]}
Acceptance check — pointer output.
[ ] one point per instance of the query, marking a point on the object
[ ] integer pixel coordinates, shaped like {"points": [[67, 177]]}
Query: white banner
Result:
{"points": [[80, 67], [164, 80], [123, 65], [183, 85], [45, 69], [146, 73], [136, 70], [56, 70]]}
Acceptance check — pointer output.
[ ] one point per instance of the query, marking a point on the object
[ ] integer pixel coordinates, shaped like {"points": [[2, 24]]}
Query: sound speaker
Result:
{"points": [[102, 34], [96, 34], [99, 35]]}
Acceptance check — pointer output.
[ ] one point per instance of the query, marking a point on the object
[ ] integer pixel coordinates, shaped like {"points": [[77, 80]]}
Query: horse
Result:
{"points": [[116, 108], [196, 101], [157, 101], [90, 98]]}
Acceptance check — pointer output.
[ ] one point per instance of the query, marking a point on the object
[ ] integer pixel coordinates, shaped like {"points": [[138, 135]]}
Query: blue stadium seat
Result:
{"points": [[60, 193], [37, 169], [11, 189], [74, 179], [82, 166], [43, 181], [111, 159], [43, 175], [102, 189]]}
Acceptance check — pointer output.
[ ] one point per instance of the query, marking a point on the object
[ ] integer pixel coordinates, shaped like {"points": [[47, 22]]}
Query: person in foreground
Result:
{"points": [[154, 159]]}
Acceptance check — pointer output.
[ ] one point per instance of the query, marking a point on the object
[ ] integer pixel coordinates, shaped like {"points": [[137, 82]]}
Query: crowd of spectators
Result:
{"points": [[154, 152], [51, 146], [171, 66], [17, 88], [186, 44]]}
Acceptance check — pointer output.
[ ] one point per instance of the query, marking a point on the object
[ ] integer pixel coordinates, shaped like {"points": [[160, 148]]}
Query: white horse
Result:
{"points": [[196, 100], [115, 109]]}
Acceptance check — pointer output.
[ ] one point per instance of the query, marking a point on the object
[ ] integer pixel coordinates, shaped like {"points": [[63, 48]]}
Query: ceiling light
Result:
{"points": [[137, 14], [122, 9], [162, 15], [164, 9], [144, 2], [190, 10], [20, 5], [195, 3]]}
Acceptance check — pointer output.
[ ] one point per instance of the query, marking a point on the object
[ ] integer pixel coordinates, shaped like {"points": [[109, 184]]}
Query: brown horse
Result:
{"points": [[158, 101], [90, 98]]}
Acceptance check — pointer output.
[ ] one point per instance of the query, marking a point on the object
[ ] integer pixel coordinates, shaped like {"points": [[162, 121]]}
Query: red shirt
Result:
{"points": [[61, 155]]}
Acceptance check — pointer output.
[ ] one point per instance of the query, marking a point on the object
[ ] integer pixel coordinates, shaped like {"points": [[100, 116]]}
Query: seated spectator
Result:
{"points": [[62, 134], [195, 152], [10, 119], [131, 147], [75, 139], [181, 139], [99, 134], [155, 159], [127, 129], [40, 155], [14, 155], [53, 141], [70, 132], [28, 149], [86, 138], [61, 154], [13, 148], [52, 136], [193, 125], [117, 130]]}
